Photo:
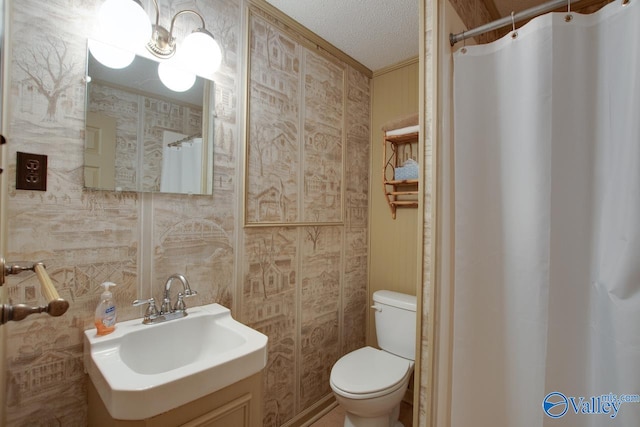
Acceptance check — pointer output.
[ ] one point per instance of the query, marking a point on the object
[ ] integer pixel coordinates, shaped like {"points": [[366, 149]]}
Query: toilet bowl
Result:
{"points": [[370, 383]]}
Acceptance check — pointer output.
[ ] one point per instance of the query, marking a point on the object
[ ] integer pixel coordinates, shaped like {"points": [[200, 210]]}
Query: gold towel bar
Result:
{"points": [[56, 306]]}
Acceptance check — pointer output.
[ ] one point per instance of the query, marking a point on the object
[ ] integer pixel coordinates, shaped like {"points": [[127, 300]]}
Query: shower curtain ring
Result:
{"points": [[464, 43], [514, 33], [568, 17]]}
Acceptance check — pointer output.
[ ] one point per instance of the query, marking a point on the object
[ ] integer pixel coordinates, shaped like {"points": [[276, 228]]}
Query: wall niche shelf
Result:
{"points": [[400, 169]]}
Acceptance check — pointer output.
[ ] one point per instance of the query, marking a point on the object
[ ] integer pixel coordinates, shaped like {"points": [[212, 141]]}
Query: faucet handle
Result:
{"points": [[189, 293], [166, 306], [150, 301], [180, 303], [152, 310]]}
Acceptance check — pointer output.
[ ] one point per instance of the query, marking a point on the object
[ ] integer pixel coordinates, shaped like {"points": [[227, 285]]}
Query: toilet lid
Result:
{"points": [[368, 370]]}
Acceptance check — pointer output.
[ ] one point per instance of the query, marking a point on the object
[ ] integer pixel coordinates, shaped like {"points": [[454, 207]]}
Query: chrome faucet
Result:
{"points": [[166, 300], [166, 312]]}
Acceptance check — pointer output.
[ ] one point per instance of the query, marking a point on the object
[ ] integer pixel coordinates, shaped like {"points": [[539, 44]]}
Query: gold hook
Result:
{"points": [[514, 33]]}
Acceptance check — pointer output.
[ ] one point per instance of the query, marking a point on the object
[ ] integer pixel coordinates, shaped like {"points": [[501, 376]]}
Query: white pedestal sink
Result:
{"points": [[143, 370]]}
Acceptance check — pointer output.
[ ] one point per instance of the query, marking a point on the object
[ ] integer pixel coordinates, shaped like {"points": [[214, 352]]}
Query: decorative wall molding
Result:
{"points": [[397, 66]]}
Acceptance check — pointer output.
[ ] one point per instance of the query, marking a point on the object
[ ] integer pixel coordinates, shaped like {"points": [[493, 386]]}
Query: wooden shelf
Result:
{"points": [[402, 182], [411, 203], [406, 138], [402, 193], [399, 193]]}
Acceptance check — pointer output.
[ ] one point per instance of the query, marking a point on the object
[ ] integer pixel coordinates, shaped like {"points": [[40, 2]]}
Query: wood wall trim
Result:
{"points": [[492, 9], [394, 67], [586, 6]]}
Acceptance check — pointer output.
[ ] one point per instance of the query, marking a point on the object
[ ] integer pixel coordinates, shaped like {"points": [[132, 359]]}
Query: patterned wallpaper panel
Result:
{"points": [[308, 125], [305, 287], [297, 129]]}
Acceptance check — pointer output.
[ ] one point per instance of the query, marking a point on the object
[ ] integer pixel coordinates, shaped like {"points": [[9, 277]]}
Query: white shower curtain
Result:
{"points": [[547, 225], [182, 168]]}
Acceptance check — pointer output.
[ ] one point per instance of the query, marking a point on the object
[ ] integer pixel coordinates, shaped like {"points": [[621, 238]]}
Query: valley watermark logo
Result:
{"points": [[557, 405]]}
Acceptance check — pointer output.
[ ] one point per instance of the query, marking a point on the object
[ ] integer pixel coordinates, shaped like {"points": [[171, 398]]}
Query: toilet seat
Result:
{"points": [[368, 372]]}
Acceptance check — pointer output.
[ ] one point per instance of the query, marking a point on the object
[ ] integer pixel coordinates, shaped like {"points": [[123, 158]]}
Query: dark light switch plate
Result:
{"points": [[31, 172]]}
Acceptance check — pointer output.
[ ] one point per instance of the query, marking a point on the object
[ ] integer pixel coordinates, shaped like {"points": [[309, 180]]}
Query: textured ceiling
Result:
{"points": [[376, 33]]}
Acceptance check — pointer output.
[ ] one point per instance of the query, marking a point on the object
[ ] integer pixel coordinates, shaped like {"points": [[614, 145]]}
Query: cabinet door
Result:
{"points": [[234, 413]]}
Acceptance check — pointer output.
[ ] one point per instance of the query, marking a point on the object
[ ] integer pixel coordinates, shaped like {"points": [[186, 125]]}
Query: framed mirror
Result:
{"points": [[142, 136]]}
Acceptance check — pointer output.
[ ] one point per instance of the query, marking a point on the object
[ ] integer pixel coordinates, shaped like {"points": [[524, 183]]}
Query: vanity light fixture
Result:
{"points": [[120, 23], [174, 77], [111, 56], [125, 23]]}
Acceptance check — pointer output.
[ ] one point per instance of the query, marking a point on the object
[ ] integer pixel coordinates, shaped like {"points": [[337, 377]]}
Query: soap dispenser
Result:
{"points": [[105, 319]]}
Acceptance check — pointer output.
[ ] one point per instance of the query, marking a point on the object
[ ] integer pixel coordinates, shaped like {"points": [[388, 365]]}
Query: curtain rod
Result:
{"points": [[509, 20], [179, 142]]}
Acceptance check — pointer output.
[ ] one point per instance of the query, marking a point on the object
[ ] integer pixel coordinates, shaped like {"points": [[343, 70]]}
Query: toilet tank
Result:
{"points": [[395, 319]]}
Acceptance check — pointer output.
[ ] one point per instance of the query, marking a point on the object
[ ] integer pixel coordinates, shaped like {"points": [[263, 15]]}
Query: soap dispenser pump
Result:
{"points": [[105, 319]]}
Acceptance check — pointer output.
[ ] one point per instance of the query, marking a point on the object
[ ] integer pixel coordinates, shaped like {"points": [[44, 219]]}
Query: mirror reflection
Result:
{"points": [[142, 136]]}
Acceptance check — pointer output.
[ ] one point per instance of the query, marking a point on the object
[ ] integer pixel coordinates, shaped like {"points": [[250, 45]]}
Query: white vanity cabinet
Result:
{"points": [[238, 405]]}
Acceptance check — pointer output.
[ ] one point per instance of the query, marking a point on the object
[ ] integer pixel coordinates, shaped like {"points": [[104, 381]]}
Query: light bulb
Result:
{"points": [[110, 56], [175, 78], [200, 53], [124, 22]]}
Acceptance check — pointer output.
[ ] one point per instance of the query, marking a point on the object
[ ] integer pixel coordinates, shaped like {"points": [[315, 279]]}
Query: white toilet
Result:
{"points": [[370, 383]]}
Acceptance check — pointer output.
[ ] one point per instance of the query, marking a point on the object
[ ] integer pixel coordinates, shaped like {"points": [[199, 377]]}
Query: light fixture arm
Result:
{"points": [[162, 43], [155, 3], [173, 20]]}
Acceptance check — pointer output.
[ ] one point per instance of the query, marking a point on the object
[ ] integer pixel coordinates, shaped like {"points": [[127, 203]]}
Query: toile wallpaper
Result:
{"points": [[295, 95], [305, 286]]}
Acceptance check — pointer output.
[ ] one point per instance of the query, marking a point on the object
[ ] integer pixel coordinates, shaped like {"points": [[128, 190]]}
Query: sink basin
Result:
{"points": [[141, 370]]}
